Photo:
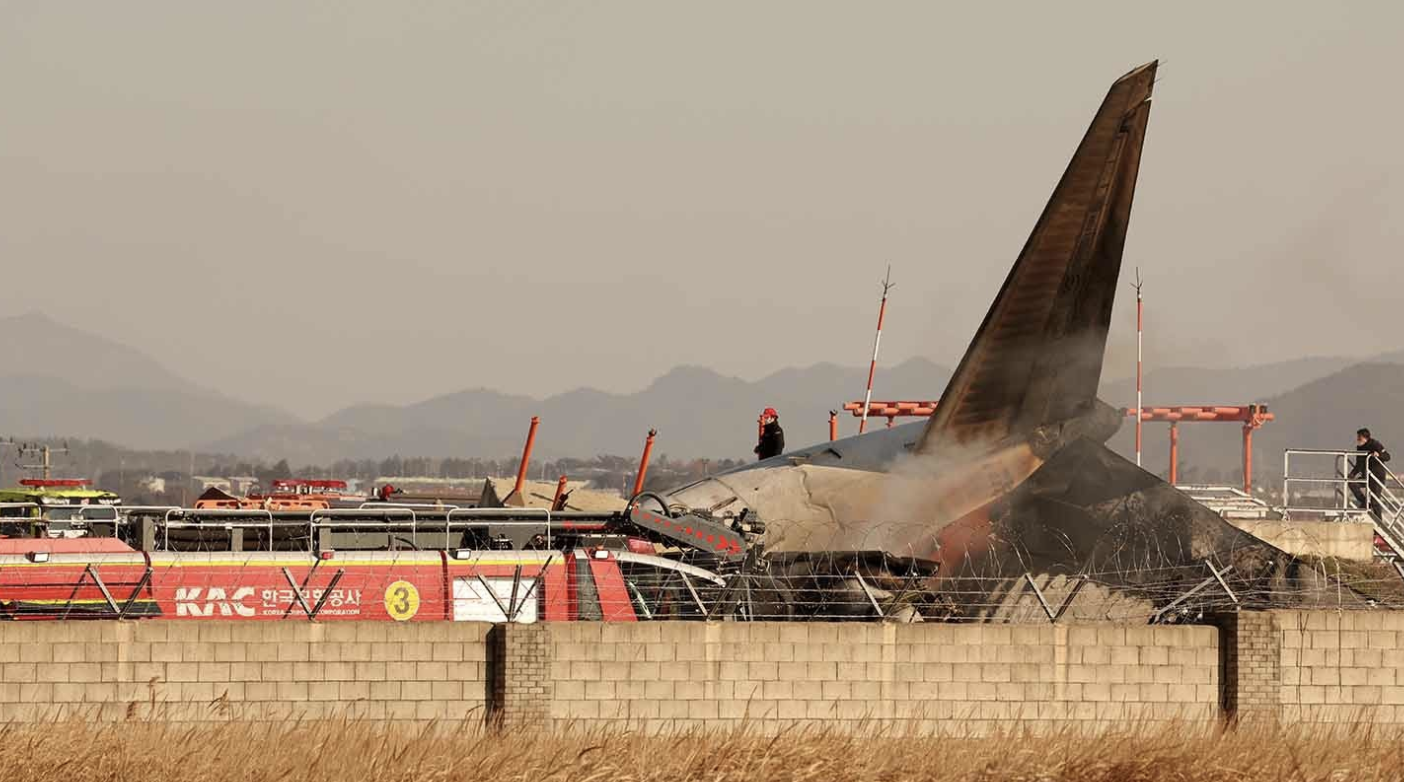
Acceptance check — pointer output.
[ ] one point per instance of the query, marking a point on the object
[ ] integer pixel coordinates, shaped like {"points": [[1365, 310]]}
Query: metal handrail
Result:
{"points": [[118, 520], [83, 509], [1391, 508], [167, 524], [355, 512], [490, 513], [312, 525], [1377, 491], [419, 505], [1341, 480], [217, 512]]}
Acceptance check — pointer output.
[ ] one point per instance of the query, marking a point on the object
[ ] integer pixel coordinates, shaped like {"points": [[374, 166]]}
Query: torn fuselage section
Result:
{"points": [[1084, 535]]}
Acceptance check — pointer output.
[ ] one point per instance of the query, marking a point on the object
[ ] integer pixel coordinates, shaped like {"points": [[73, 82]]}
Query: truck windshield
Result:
{"points": [[81, 513]]}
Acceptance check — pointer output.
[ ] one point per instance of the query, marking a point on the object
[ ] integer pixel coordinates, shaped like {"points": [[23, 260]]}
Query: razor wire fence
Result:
{"points": [[491, 586], [1128, 561]]}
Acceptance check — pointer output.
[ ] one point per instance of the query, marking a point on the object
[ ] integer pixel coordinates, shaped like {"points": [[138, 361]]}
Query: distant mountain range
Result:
{"points": [[56, 380], [697, 412]]}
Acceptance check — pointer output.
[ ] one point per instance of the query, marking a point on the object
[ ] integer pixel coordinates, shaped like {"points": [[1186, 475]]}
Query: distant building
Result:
{"points": [[241, 485], [153, 483], [204, 482], [427, 482]]}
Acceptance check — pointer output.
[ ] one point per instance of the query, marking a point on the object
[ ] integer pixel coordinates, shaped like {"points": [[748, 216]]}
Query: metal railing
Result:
{"points": [[1230, 502], [453, 519], [1316, 484], [386, 518], [419, 505], [478, 516], [1374, 494], [167, 524], [1386, 508], [117, 518]]}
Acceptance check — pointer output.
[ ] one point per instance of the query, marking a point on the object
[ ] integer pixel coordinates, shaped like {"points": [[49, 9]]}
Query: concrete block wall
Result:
{"points": [[1314, 667], [1341, 666], [955, 679], [214, 671]]}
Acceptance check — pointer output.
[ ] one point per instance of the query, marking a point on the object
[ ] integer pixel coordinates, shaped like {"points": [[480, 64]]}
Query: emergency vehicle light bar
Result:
{"points": [[43, 482], [289, 483]]}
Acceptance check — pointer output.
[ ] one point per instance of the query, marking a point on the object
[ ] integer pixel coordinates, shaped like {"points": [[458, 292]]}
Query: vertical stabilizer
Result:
{"points": [[1037, 357]]}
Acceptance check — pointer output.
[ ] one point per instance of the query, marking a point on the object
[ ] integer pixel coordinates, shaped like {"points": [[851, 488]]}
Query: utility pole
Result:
{"points": [[877, 342], [7, 442], [45, 463], [189, 481]]}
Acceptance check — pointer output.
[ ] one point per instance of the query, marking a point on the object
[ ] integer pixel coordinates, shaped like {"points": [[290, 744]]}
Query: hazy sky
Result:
{"points": [[312, 204]]}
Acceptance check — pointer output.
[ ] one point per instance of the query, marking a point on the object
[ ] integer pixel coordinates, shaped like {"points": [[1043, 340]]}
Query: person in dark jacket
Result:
{"points": [[772, 437], [1370, 462]]}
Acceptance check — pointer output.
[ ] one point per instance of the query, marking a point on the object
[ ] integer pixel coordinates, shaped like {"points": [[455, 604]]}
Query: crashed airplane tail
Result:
{"points": [[1037, 357], [1027, 384], [1025, 387], [1009, 487]]}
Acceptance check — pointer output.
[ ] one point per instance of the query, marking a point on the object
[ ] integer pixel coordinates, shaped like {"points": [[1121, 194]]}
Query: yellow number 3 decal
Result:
{"points": [[401, 601]]}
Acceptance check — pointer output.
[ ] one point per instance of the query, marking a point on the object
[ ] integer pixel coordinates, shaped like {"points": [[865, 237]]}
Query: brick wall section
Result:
{"points": [[214, 671], [522, 685], [1252, 677], [1342, 666], [932, 678]]}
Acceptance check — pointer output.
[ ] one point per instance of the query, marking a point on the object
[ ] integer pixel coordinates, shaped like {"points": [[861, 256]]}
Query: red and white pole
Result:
{"points": [[1140, 326], [877, 343]]}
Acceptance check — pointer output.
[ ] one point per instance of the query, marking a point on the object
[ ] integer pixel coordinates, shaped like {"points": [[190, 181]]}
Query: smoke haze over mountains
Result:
{"points": [[284, 201]]}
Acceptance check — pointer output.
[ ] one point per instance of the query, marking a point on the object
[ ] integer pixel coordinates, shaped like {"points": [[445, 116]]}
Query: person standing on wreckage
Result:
{"points": [[772, 437]]}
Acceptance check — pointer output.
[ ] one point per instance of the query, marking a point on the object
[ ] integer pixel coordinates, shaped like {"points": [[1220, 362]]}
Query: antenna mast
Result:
{"points": [[877, 342]]}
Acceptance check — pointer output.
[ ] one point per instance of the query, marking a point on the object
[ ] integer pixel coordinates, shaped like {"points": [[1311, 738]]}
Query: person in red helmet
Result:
{"points": [[772, 437]]}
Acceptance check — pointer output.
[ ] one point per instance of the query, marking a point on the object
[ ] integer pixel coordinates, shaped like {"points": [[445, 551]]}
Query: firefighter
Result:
{"points": [[772, 437], [1368, 466]]}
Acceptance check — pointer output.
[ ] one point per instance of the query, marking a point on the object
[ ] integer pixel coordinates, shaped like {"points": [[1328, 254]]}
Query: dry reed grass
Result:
{"points": [[330, 751]]}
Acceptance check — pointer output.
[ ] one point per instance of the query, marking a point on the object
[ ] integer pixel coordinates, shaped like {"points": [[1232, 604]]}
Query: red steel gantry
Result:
{"points": [[1251, 416]]}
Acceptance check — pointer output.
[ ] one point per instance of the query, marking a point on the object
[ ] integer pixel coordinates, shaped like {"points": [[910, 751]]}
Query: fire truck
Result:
{"points": [[285, 494], [54, 507], [383, 562]]}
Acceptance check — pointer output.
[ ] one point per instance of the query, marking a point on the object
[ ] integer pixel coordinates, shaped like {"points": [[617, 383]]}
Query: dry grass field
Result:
{"points": [[341, 752]]}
